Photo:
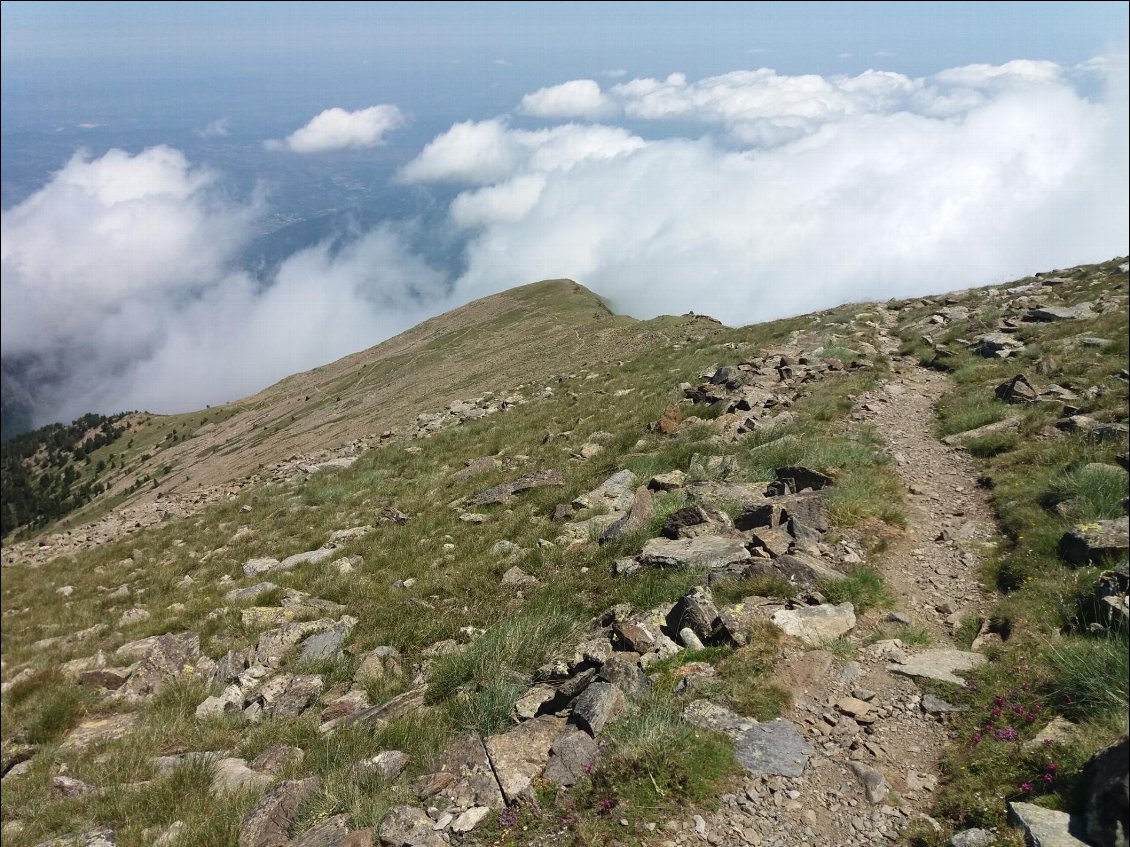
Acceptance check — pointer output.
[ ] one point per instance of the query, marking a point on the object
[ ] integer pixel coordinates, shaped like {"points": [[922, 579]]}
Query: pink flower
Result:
{"points": [[1024, 786]]}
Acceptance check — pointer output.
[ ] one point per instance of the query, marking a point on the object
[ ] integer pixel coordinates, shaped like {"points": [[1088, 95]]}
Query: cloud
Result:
{"points": [[825, 190], [120, 289], [486, 152], [337, 129], [218, 128], [579, 98]]}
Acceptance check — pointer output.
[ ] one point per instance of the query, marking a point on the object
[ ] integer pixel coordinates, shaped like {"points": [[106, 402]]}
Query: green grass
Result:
{"points": [[863, 587]]}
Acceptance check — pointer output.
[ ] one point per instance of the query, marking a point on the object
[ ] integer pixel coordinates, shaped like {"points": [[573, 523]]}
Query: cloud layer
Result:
{"points": [[337, 129], [794, 193]]}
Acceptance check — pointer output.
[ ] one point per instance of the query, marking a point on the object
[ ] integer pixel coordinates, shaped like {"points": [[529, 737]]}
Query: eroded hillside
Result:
{"points": [[796, 583]]}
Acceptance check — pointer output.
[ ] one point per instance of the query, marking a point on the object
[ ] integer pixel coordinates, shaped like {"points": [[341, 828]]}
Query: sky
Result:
{"points": [[199, 199]]}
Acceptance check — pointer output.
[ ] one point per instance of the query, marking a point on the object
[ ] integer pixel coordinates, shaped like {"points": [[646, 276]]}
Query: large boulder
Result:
{"points": [[1092, 542], [1107, 790], [170, 656], [520, 754], [706, 551], [815, 625]]}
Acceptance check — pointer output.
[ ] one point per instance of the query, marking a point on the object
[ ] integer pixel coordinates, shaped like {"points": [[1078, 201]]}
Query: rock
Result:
{"points": [[463, 777], [503, 492], [996, 345], [329, 833], [773, 748], [623, 670], [1106, 809], [668, 423], [709, 715], [695, 610], [231, 700], [254, 567], [312, 557], [1058, 731], [771, 541], [325, 645], [572, 757], [689, 640], [277, 758], [275, 643], [391, 709], [268, 822], [99, 730], [520, 754], [504, 549], [801, 569], [960, 438], [168, 657], [853, 706], [937, 706], [799, 478], [1060, 313], [942, 665], [633, 636], [615, 493], [386, 766], [469, 819], [637, 519], [671, 481], [588, 450], [693, 521], [378, 664], [519, 580], [110, 679], [1088, 543], [235, 775], [816, 624], [599, 704], [529, 704], [133, 616], [973, 838], [874, 784], [90, 838], [348, 703], [1017, 390], [66, 786], [407, 826], [299, 693], [1044, 827], [707, 551], [171, 834], [249, 594]]}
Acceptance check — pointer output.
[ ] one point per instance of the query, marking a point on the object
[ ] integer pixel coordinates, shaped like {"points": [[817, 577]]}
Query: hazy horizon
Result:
{"points": [[200, 199]]}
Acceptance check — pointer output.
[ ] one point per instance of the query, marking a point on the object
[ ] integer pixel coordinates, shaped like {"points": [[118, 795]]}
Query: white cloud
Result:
{"points": [[487, 152], [119, 290], [218, 128], [840, 189], [337, 129], [579, 98]]}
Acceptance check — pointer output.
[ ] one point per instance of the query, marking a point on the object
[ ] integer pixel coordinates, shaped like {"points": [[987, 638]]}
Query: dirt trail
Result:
{"points": [[932, 572]]}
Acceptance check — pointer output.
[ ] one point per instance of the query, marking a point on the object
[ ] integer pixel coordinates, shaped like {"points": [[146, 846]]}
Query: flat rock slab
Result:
{"points": [[1045, 827], [774, 748], [960, 438], [615, 493], [705, 551], [519, 755], [711, 716], [98, 730], [1091, 542], [502, 493], [942, 665], [815, 625]]}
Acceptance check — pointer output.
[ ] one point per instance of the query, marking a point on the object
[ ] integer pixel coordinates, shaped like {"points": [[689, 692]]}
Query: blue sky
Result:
{"points": [[201, 198]]}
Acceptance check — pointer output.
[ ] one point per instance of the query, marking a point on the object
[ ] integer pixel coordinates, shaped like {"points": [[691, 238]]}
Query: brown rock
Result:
{"points": [[268, 822]]}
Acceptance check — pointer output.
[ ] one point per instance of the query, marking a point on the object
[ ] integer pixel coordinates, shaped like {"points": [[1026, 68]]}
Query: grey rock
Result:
{"points": [[801, 569], [231, 700], [1017, 390], [695, 610], [942, 665], [615, 493], [234, 775], [1106, 809], [274, 643], [623, 670], [960, 438], [277, 758], [816, 624], [381, 713], [707, 551], [408, 826], [299, 694], [633, 636], [937, 706], [599, 704], [671, 481], [386, 766], [503, 492], [637, 519], [519, 580], [469, 819], [799, 478], [463, 777], [1044, 827], [378, 664], [520, 754], [169, 657], [695, 520], [325, 645], [268, 822], [66, 786], [1060, 313], [710, 715], [329, 833], [774, 748], [249, 594], [1091, 542], [973, 838], [572, 757], [874, 784], [254, 567], [689, 639], [90, 838]]}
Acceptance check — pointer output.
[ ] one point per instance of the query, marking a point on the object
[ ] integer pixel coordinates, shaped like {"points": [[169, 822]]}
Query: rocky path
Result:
{"points": [[877, 739]]}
